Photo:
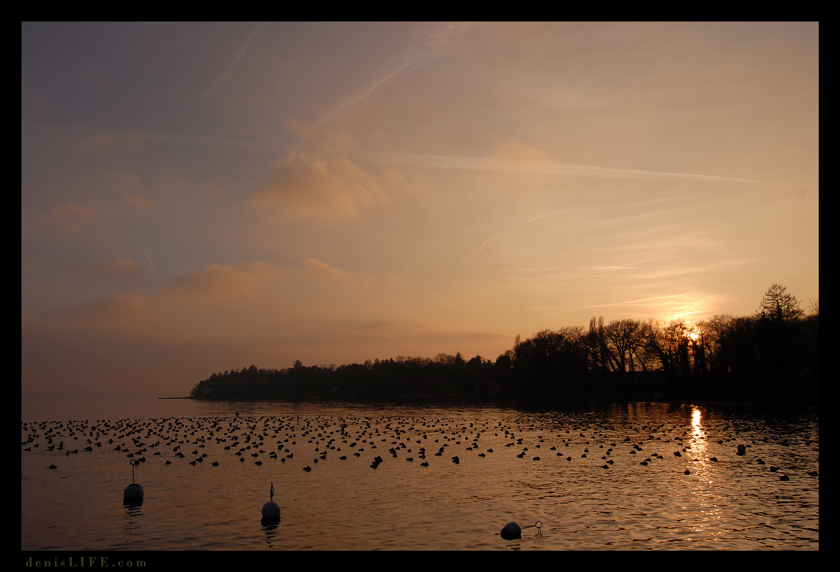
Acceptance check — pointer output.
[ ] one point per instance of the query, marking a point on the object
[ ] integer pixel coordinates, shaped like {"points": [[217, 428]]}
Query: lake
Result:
{"points": [[638, 476]]}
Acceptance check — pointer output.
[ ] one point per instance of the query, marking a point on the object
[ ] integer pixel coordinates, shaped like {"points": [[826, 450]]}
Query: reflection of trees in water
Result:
{"points": [[770, 356]]}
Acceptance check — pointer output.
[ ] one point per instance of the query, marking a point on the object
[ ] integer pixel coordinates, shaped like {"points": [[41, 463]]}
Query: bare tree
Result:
{"points": [[625, 337], [779, 305]]}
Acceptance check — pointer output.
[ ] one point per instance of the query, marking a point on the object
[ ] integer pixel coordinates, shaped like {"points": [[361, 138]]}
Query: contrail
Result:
{"points": [[490, 239], [148, 257], [243, 189], [439, 44], [538, 167], [430, 161], [242, 51], [544, 215], [409, 57]]}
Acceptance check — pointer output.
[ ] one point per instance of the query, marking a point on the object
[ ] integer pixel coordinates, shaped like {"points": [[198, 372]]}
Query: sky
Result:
{"points": [[201, 197]]}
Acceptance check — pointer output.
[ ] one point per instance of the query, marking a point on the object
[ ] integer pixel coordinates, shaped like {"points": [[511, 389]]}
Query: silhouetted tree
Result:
{"points": [[779, 305], [598, 350], [774, 353], [624, 337], [549, 363]]}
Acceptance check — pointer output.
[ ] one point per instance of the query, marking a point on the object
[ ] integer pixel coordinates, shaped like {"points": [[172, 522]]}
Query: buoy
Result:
{"points": [[511, 531], [271, 510], [133, 493]]}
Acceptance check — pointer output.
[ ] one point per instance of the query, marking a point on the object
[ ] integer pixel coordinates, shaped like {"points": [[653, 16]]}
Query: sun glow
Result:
{"points": [[690, 330]]}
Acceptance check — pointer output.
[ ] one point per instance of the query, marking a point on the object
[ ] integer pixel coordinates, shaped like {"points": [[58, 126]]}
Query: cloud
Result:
{"points": [[259, 312], [218, 283], [139, 202], [73, 219], [102, 141], [123, 310], [262, 284], [512, 150], [316, 270], [121, 268], [56, 358], [173, 184], [116, 181], [310, 187], [312, 135]]}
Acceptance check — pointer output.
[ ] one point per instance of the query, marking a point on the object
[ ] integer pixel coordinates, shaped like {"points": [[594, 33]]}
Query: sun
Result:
{"points": [[691, 331]]}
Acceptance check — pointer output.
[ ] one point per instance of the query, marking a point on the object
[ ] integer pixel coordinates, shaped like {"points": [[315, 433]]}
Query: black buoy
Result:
{"points": [[271, 510], [511, 531], [133, 493]]}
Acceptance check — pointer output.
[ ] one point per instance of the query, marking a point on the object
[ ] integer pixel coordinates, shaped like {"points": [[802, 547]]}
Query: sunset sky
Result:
{"points": [[199, 197]]}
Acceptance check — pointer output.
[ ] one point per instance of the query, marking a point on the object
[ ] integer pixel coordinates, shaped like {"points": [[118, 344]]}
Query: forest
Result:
{"points": [[769, 357]]}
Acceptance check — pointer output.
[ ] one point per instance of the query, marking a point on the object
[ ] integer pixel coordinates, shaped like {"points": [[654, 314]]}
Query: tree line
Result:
{"points": [[772, 355]]}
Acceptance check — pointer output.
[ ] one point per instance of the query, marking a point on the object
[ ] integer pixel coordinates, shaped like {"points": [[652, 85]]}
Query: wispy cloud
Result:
{"points": [[73, 219], [310, 187], [121, 268], [636, 302]]}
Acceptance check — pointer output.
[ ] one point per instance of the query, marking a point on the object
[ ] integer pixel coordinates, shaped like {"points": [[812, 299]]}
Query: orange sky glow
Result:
{"points": [[199, 197]]}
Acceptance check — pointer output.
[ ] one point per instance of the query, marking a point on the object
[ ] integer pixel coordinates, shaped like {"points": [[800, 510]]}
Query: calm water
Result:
{"points": [[588, 489]]}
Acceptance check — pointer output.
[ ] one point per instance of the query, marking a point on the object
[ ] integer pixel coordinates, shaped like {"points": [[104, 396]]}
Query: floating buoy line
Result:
{"points": [[271, 510], [133, 493], [512, 531]]}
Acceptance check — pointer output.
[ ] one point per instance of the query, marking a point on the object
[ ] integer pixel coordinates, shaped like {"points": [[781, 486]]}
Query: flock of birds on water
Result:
{"points": [[319, 439]]}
